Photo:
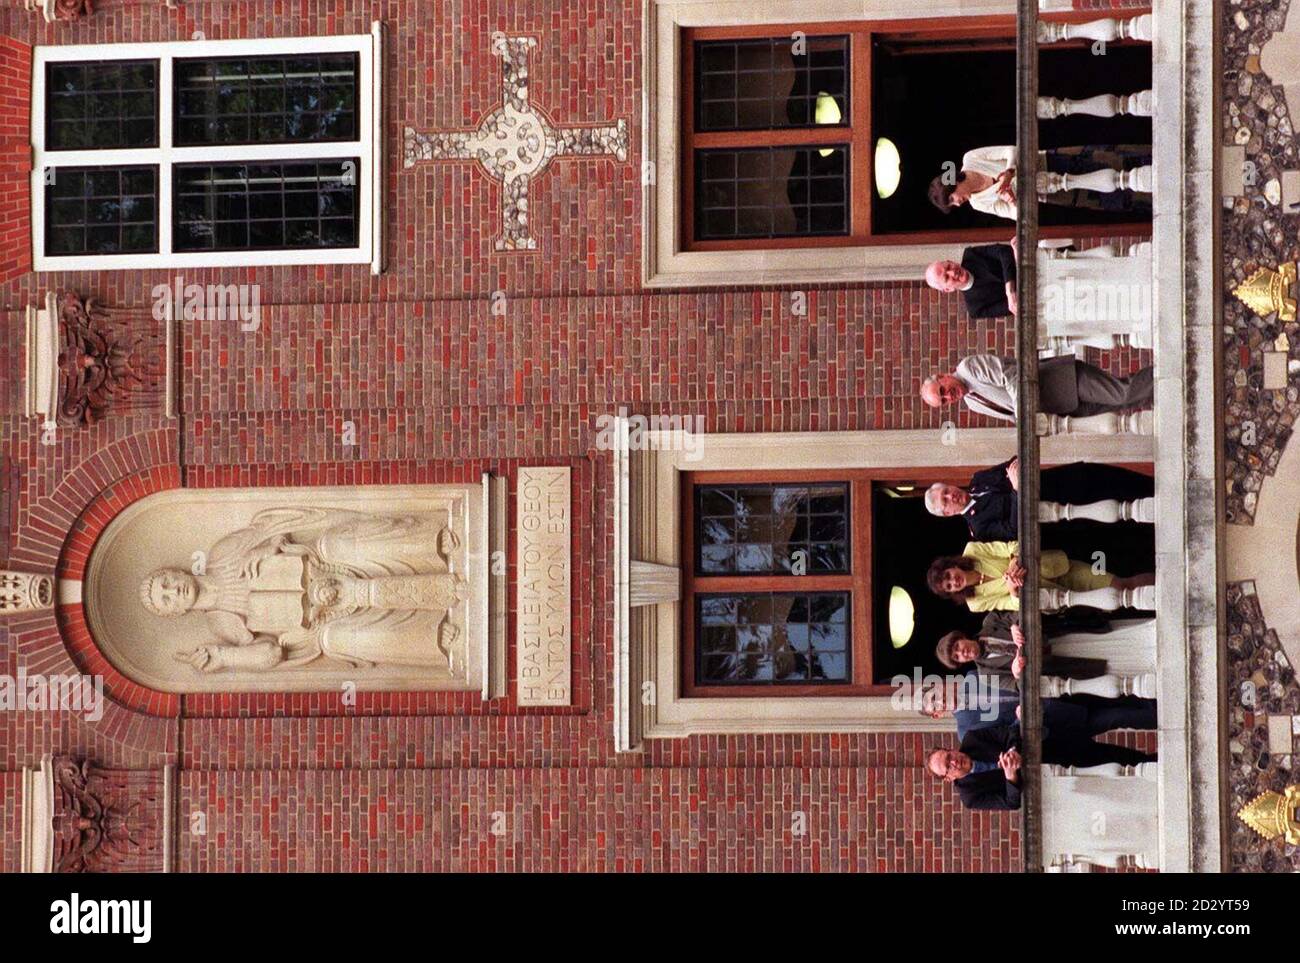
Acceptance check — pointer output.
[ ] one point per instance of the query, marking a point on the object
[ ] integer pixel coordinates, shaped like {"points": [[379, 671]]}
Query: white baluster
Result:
{"points": [[1108, 423], [1105, 686], [1107, 30], [1140, 104], [1105, 180], [1107, 599], [1107, 511]]}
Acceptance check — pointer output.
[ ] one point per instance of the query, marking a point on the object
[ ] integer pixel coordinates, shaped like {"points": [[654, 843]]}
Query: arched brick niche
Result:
{"points": [[71, 612], [95, 519]]}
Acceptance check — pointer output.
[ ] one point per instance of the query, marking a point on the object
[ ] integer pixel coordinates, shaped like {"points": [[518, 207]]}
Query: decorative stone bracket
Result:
{"points": [[80, 818], [83, 359], [69, 10], [65, 10]]}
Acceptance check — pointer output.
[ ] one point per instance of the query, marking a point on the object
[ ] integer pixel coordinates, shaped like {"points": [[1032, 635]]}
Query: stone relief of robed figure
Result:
{"points": [[298, 585]]}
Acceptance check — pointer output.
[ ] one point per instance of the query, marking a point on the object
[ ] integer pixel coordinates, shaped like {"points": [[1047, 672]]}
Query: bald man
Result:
{"points": [[988, 385], [986, 278]]}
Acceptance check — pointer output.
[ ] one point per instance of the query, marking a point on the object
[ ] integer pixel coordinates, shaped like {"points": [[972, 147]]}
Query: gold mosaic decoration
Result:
{"points": [[1265, 292], [1274, 814]]}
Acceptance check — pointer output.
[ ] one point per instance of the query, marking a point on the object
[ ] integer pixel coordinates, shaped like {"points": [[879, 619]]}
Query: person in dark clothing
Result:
{"points": [[986, 278], [985, 771], [990, 503]]}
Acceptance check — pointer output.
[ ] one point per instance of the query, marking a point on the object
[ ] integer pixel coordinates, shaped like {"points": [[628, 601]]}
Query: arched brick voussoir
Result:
{"points": [[91, 495], [120, 732], [127, 696]]}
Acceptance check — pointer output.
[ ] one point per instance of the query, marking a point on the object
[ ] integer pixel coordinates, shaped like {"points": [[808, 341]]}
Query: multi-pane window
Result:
{"points": [[772, 529], [778, 638], [777, 134], [208, 153], [777, 588], [266, 100], [101, 104], [93, 210]]}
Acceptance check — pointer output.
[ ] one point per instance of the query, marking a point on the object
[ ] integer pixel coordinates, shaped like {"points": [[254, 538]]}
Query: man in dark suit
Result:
{"points": [[986, 278], [978, 706], [985, 771], [990, 505]]}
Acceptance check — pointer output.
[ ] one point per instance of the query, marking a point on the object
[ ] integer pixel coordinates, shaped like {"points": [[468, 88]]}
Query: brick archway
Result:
{"points": [[72, 566]]}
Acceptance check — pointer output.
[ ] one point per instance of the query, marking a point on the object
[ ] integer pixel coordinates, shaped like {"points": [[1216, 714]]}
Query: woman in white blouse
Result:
{"points": [[987, 180]]}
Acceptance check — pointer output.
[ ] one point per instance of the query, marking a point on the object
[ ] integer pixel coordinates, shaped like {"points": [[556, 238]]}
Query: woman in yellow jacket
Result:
{"points": [[987, 576]]}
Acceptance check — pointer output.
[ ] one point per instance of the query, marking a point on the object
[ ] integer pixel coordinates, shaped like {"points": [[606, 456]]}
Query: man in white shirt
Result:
{"points": [[987, 384]]}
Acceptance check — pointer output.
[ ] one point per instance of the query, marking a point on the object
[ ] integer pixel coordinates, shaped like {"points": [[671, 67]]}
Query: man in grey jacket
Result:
{"points": [[987, 384]]}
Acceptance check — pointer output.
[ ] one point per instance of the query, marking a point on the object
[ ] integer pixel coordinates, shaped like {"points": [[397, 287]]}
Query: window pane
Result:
{"points": [[110, 104], [102, 210], [776, 638], [271, 205], [291, 98], [768, 529], [773, 82], [770, 192]]}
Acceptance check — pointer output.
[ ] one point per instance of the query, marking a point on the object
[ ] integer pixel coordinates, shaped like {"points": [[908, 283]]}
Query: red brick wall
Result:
{"points": [[440, 388], [15, 158], [717, 819], [11, 832]]}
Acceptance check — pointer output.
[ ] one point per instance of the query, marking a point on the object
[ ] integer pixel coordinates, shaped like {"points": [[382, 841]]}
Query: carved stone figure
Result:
{"points": [[62, 9], [297, 585], [100, 362], [104, 820]]}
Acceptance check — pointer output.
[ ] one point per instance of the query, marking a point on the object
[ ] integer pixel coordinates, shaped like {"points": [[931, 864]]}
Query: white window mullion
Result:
{"points": [[165, 94], [228, 153]]}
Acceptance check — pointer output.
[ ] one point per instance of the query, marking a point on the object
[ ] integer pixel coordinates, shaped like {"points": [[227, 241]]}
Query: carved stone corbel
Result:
{"points": [[65, 10], [82, 818]]}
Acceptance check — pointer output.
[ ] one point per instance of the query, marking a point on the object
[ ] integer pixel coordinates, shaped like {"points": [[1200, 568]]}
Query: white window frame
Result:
{"points": [[365, 147], [665, 262], [647, 484]]}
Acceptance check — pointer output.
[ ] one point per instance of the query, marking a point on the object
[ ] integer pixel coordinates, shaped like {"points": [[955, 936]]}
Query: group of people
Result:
{"points": [[987, 577]]}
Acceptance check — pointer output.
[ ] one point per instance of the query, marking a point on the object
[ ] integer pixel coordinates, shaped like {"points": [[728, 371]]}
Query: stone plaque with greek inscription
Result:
{"points": [[544, 630]]}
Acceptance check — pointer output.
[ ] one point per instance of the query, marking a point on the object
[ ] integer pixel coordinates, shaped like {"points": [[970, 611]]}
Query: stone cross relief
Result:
{"points": [[515, 143]]}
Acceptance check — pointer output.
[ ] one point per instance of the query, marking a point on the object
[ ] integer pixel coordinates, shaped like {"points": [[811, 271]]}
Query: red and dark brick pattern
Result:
{"points": [[441, 388]]}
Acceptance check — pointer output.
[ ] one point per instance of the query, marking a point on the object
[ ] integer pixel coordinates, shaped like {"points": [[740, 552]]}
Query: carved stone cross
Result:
{"points": [[515, 143]]}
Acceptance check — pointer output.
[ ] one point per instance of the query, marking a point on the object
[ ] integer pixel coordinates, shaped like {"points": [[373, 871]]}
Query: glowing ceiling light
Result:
{"points": [[827, 111], [888, 167], [902, 617]]}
